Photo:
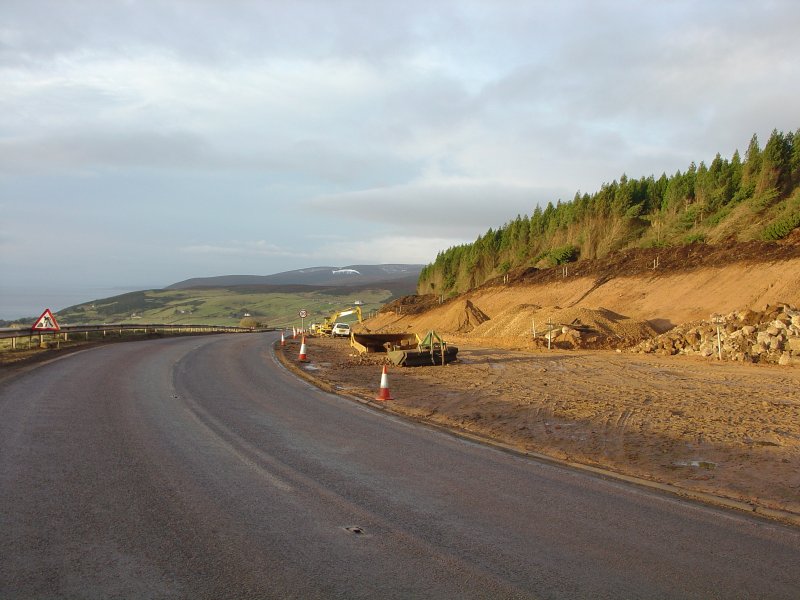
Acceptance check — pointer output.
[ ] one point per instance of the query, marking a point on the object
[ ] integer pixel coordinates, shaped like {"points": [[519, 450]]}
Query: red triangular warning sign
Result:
{"points": [[47, 322]]}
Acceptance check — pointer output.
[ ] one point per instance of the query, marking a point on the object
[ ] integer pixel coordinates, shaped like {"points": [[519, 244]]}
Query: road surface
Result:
{"points": [[200, 468]]}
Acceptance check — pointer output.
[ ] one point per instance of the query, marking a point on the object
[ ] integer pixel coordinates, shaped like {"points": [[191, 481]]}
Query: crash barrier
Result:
{"points": [[13, 339]]}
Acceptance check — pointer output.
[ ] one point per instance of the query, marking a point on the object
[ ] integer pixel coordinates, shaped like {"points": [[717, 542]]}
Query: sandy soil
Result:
{"points": [[729, 429], [661, 298]]}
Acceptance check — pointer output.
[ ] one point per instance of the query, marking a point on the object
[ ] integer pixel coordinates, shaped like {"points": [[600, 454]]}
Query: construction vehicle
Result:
{"points": [[368, 343], [406, 349], [431, 350], [326, 327]]}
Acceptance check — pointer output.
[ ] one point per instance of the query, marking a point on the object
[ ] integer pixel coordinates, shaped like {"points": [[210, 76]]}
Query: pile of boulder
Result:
{"points": [[770, 336]]}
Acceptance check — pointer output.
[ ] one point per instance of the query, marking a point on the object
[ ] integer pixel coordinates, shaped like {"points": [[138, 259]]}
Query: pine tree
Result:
{"points": [[631, 211], [752, 164], [775, 164]]}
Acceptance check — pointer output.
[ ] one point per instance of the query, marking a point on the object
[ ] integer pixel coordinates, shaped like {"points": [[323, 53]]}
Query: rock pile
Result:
{"points": [[770, 336]]}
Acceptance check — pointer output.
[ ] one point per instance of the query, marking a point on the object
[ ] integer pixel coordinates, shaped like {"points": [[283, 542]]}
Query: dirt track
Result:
{"points": [[732, 430]]}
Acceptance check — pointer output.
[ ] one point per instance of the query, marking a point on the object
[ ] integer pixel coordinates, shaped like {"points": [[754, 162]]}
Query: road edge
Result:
{"points": [[751, 508]]}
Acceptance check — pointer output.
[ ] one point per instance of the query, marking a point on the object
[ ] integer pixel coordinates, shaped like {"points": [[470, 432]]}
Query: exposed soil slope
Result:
{"points": [[629, 296]]}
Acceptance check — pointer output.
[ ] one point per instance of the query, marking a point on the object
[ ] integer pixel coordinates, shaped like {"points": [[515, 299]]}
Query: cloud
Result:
{"points": [[454, 208], [259, 248], [320, 120], [422, 124], [209, 32], [63, 152], [401, 249], [7, 240], [556, 97]]}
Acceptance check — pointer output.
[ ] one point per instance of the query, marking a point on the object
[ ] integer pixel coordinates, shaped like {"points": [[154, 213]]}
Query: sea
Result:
{"points": [[23, 303]]}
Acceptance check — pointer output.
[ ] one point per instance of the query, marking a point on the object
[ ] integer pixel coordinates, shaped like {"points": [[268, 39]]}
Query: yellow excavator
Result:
{"points": [[326, 328]]}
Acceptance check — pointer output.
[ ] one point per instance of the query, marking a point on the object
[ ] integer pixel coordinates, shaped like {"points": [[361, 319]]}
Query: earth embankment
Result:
{"points": [[623, 308]]}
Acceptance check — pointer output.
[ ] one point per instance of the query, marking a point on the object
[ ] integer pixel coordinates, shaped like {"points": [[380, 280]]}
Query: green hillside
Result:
{"points": [[754, 198], [223, 306]]}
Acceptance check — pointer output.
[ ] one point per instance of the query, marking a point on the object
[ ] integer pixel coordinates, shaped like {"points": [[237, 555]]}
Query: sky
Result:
{"points": [[146, 142]]}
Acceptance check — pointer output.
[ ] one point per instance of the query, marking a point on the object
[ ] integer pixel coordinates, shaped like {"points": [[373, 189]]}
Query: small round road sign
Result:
{"points": [[303, 313]]}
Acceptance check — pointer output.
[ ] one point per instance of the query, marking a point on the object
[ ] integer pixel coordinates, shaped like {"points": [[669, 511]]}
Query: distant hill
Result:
{"points": [[273, 299], [337, 277]]}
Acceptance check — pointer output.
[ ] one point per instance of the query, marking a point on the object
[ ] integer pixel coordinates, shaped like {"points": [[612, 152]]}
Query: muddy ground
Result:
{"points": [[729, 429]]}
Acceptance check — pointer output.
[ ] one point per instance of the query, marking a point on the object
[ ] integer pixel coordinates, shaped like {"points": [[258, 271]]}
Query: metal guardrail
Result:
{"points": [[145, 327], [65, 332]]}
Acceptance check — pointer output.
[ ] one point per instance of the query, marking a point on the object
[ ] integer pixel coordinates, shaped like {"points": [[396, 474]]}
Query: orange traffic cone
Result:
{"points": [[383, 393], [303, 349], [283, 339], [294, 333]]}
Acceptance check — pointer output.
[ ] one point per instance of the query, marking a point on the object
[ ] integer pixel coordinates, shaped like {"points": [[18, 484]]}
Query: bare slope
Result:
{"points": [[620, 298]]}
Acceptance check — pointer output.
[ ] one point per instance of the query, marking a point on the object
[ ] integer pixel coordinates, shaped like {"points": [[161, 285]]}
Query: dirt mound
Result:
{"points": [[467, 317], [457, 316], [574, 326]]}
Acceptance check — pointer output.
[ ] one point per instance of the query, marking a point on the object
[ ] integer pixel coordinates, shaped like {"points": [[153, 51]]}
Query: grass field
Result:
{"points": [[220, 306]]}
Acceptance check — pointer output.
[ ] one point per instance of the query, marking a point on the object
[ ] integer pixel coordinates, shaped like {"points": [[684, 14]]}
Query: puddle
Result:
{"points": [[310, 368]]}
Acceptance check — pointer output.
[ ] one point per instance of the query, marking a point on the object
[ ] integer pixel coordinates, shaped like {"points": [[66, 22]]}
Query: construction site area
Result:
{"points": [[686, 374]]}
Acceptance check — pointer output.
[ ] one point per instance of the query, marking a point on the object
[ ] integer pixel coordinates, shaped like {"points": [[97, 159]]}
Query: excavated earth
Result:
{"points": [[727, 427]]}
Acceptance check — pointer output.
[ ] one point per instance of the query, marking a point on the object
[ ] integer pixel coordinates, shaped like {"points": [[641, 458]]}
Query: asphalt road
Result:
{"points": [[200, 468]]}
